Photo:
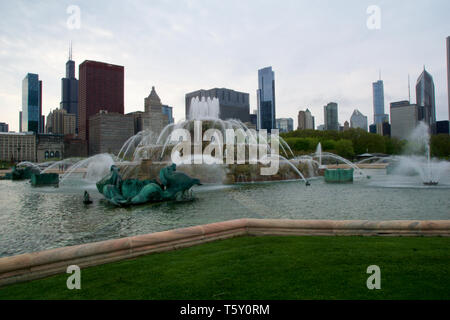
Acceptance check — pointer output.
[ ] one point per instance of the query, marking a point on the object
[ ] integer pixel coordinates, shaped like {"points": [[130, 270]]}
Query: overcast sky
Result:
{"points": [[321, 51]]}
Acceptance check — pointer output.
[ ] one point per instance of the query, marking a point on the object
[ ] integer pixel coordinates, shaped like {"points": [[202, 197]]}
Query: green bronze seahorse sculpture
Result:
{"points": [[133, 191]]}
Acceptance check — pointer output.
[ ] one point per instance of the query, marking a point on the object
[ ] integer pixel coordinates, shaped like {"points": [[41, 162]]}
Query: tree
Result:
{"points": [[344, 148]]}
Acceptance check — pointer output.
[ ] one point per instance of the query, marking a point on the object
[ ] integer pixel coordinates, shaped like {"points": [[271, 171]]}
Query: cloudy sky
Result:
{"points": [[321, 51]]}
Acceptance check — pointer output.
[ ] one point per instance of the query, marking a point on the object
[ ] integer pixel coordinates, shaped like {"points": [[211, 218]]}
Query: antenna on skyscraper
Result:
{"points": [[70, 50]]}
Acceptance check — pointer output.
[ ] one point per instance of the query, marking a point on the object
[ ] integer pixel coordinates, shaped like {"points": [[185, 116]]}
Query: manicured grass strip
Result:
{"points": [[265, 268]]}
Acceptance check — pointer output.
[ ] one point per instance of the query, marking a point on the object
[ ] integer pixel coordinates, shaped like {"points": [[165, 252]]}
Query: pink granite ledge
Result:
{"points": [[36, 265]]}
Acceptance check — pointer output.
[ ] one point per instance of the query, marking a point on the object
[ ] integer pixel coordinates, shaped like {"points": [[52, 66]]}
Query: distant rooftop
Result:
{"points": [[18, 133]]}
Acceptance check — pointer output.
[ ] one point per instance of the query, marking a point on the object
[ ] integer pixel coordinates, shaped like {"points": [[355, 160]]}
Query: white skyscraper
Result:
{"points": [[358, 120]]}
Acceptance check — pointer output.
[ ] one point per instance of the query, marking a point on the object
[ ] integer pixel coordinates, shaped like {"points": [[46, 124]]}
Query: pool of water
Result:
{"points": [[33, 219]]}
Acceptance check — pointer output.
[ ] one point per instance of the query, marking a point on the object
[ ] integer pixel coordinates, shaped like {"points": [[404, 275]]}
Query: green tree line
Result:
{"points": [[352, 142]]}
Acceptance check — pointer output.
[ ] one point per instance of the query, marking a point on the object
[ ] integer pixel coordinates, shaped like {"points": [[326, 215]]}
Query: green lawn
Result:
{"points": [[265, 268]]}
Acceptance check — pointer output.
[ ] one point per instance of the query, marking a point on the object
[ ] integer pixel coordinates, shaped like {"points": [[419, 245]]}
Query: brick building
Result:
{"points": [[101, 87]]}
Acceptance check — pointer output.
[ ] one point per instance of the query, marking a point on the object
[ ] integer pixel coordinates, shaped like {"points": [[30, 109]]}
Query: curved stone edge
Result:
{"points": [[41, 264]]}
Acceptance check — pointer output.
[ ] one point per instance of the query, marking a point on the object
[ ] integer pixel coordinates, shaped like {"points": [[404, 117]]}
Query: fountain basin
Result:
{"points": [[339, 175], [44, 179]]}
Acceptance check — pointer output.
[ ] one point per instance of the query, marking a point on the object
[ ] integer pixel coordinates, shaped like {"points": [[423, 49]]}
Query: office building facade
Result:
{"points": [[61, 122], [154, 119], [168, 111], [17, 147], [109, 131], [404, 119], [285, 124], [266, 99], [4, 127], [331, 116], [425, 98], [305, 120], [378, 102], [358, 120], [49, 146], [31, 118], [232, 104], [101, 87]]}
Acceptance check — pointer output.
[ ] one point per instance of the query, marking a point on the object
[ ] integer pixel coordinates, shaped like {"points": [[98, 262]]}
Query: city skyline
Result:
{"points": [[342, 73]]}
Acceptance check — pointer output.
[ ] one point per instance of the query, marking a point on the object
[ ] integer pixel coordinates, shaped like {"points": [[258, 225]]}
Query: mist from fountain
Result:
{"points": [[89, 170], [202, 108], [319, 153], [29, 164]]}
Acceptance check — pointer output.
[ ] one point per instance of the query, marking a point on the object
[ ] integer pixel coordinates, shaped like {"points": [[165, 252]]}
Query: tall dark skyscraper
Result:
{"points": [[101, 87], [330, 115], [69, 89], [448, 75], [425, 98], [32, 104], [266, 99]]}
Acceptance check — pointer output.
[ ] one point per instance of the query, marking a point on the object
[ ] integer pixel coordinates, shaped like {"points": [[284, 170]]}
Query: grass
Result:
{"points": [[265, 268]]}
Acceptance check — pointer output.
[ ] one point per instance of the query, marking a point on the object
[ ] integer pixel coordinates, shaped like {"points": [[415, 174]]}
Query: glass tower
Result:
{"points": [[331, 116], [266, 99], [425, 98], [31, 103], [167, 110], [378, 102]]}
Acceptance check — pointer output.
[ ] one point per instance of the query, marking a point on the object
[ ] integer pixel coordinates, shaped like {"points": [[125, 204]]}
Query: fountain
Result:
{"points": [[145, 154], [416, 167], [419, 162], [204, 108]]}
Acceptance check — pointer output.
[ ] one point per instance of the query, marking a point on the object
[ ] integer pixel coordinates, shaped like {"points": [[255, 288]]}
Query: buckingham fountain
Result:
{"points": [[208, 151]]}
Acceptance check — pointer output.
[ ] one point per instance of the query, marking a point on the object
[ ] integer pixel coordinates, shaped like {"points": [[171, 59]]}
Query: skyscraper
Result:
{"points": [[266, 99], [168, 110], [4, 127], [69, 89], [378, 102], [358, 120], [154, 118], [305, 120], [101, 87], [425, 98], [32, 103], [285, 124], [448, 75], [331, 116], [404, 119]]}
